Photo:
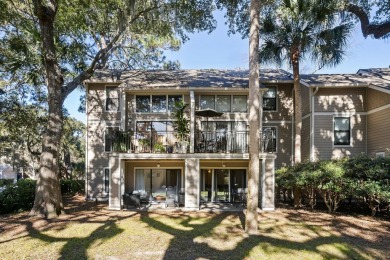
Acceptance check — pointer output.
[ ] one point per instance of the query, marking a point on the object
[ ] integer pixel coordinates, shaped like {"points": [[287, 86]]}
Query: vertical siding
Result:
{"points": [[340, 100], [323, 142], [96, 104], [376, 99], [378, 129]]}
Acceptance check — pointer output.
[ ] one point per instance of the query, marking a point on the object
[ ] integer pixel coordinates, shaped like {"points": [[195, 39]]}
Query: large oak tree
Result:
{"points": [[56, 45]]}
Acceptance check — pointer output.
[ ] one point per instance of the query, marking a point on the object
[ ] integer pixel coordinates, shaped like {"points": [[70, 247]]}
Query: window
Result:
{"points": [[106, 180], [109, 138], [380, 155], [172, 100], [223, 103], [142, 103], [269, 139], [207, 102], [342, 131], [159, 104], [269, 99], [112, 99], [239, 104]]}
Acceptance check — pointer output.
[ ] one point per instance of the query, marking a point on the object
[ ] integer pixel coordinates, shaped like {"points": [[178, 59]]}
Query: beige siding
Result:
{"points": [[376, 99], [340, 100], [323, 143], [96, 101], [305, 93], [283, 144], [284, 104], [305, 145], [378, 129]]}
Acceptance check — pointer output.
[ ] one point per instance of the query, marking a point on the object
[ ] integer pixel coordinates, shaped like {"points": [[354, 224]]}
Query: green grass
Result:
{"points": [[94, 233]]}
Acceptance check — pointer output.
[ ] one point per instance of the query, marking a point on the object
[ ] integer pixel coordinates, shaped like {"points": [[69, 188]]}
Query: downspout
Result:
{"points": [[312, 126]]}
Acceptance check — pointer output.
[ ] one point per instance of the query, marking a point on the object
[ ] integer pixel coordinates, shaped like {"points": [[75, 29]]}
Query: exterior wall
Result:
{"points": [[283, 142], [284, 104], [340, 100], [378, 129], [376, 99], [323, 138], [305, 92], [192, 183], [267, 183], [116, 166], [97, 121], [305, 144]]}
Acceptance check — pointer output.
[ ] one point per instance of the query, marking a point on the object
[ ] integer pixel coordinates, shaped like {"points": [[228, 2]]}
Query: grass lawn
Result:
{"points": [[90, 231]]}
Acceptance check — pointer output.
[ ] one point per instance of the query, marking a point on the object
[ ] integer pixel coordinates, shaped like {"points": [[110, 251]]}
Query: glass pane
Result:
{"points": [[271, 92], [142, 103], [238, 179], [221, 185], [207, 102], [171, 102], [159, 103], [159, 183], [205, 185], [341, 123], [269, 104], [112, 99], [239, 104], [341, 138], [223, 103]]}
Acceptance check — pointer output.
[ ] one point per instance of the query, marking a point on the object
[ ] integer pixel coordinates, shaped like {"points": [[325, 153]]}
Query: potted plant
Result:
{"points": [[181, 126], [159, 148], [144, 144]]}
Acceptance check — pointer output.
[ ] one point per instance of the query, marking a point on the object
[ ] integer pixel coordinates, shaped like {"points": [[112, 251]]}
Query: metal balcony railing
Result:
{"points": [[205, 142]]}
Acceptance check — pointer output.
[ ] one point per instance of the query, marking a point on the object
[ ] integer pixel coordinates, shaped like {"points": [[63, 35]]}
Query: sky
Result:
{"points": [[217, 50]]}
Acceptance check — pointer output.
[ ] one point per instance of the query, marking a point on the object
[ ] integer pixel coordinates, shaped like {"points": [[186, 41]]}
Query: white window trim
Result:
{"points": [[105, 99], [104, 137], [380, 154], [167, 112], [276, 100], [104, 181], [350, 132]]}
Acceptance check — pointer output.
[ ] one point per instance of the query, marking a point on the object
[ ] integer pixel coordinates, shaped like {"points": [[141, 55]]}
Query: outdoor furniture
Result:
{"points": [[131, 200], [170, 197]]}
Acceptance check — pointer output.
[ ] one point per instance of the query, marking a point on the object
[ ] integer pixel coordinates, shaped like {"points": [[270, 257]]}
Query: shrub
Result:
{"points": [[6, 182], [18, 197]]}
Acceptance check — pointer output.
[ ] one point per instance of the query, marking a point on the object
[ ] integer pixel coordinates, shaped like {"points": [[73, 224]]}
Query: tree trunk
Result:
{"points": [[251, 219], [48, 200], [298, 107]]}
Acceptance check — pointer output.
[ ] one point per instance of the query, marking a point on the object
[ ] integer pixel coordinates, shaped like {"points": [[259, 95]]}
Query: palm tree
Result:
{"points": [[297, 28]]}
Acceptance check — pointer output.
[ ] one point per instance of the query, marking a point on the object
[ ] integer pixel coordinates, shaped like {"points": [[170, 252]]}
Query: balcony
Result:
{"points": [[204, 142]]}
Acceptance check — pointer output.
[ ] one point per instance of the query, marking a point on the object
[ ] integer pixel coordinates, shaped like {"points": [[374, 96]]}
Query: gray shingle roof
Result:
{"points": [[379, 77], [188, 78], [333, 80]]}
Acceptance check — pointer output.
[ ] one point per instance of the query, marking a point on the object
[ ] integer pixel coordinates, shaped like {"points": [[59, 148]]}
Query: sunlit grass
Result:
{"points": [[283, 234]]}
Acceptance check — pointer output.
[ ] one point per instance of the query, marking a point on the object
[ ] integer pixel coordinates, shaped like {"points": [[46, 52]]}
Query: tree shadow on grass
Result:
{"points": [[209, 241]]}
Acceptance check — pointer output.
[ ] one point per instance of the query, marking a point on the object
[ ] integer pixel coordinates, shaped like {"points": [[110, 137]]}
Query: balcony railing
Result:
{"points": [[205, 142], [147, 142]]}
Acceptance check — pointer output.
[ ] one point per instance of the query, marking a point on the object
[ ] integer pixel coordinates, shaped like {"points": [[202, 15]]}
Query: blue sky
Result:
{"points": [[217, 50]]}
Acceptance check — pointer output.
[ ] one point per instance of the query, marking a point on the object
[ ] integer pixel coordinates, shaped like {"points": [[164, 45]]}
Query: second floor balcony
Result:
{"points": [[204, 142]]}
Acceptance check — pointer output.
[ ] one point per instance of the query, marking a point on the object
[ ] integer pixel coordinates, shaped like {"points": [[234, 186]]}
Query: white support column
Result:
{"points": [[268, 183], [114, 199], [192, 184], [192, 121]]}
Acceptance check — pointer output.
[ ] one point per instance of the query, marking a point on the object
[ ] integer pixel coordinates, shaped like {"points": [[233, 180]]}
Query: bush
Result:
{"points": [[72, 187], [361, 178], [18, 197], [6, 182]]}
